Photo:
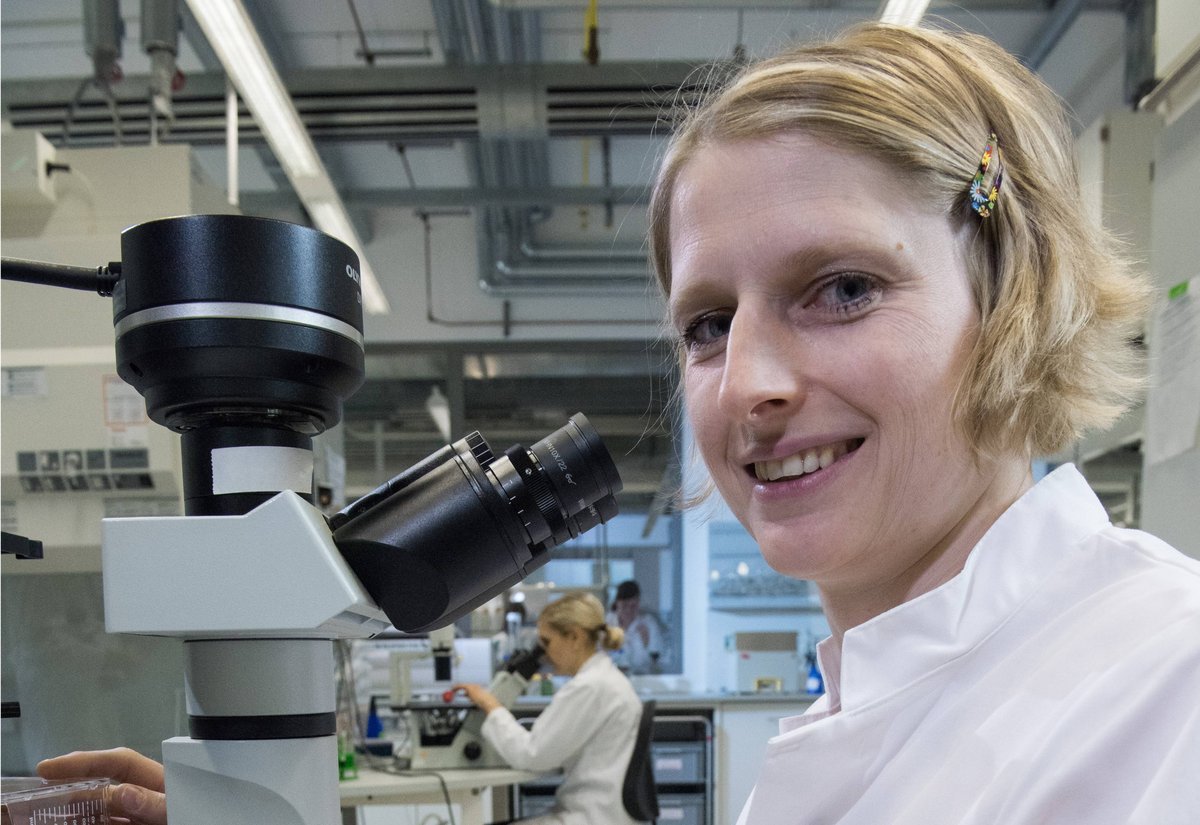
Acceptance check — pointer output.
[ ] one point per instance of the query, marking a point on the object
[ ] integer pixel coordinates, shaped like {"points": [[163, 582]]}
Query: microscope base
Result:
{"points": [[446, 757], [270, 780]]}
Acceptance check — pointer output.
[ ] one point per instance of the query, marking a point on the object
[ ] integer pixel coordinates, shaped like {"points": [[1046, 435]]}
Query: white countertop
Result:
{"points": [[677, 699]]}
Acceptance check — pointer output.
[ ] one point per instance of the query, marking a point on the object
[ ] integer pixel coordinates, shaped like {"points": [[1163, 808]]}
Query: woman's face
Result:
{"points": [[826, 318], [563, 650], [626, 610]]}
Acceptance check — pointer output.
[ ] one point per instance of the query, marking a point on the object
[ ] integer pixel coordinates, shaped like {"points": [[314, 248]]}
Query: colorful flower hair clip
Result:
{"points": [[985, 186]]}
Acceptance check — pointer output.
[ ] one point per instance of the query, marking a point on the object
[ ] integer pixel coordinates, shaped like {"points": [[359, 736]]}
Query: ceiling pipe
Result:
{"points": [[507, 322], [584, 253], [1064, 14]]}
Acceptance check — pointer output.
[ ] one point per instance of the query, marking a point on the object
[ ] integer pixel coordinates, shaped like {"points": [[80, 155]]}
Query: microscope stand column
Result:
{"points": [[263, 724]]}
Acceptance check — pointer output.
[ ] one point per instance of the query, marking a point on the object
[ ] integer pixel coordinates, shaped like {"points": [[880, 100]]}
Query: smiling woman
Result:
{"points": [[888, 299]]}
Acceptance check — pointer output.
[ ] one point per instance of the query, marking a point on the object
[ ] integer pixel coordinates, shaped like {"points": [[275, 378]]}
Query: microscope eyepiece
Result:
{"points": [[464, 524], [525, 663]]}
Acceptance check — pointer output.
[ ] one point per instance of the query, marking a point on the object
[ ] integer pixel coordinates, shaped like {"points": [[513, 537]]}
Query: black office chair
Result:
{"points": [[637, 792]]}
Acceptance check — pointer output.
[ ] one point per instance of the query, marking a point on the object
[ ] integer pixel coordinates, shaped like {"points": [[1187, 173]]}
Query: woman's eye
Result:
{"points": [[706, 330], [847, 292]]}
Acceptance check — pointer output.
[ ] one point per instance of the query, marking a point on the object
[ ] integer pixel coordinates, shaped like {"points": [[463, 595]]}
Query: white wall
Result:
{"points": [[1171, 489]]}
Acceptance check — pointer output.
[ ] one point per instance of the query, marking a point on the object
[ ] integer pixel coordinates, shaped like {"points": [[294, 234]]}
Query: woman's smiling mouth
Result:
{"points": [[805, 461]]}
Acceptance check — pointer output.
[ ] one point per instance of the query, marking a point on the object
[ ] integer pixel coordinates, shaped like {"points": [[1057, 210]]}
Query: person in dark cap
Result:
{"points": [[644, 646]]}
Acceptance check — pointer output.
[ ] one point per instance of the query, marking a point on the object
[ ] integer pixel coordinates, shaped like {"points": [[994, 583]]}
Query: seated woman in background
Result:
{"points": [[588, 729], [889, 297]]}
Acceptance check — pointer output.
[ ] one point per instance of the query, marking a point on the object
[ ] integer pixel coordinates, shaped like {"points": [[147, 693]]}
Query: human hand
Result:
{"points": [[139, 799], [481, 696]]}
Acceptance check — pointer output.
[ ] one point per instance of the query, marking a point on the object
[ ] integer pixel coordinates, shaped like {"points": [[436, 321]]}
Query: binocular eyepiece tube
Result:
{"points": [[464, 525]]}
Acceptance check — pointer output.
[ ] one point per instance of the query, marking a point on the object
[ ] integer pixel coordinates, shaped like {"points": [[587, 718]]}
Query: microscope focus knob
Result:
{"points": [[472, 750]]}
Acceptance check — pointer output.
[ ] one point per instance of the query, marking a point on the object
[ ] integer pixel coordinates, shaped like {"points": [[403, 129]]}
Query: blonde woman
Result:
{"points": [[589, 727], [888, 299]]}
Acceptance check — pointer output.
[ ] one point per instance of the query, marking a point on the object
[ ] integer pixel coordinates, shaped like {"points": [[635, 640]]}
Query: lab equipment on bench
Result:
{"points": [[451, 736], [763, 662], [244, 335]]}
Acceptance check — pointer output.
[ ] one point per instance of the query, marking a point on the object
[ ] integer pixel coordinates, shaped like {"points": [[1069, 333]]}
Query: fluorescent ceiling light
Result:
{"points": [[233, 38], [237, 44], [903, 12]]}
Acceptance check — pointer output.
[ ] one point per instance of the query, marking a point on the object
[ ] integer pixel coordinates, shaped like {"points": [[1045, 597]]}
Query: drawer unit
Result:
{"points": [[534, 804], [681, 809], [679, 762]]}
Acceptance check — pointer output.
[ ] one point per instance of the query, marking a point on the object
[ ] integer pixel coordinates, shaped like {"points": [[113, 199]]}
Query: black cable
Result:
{"points": [[411, 772], [100, 280]]}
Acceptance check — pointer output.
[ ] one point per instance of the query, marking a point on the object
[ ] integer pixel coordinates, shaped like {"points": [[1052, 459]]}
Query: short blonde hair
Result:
{"points": [[581, 610], [1060, 309]]}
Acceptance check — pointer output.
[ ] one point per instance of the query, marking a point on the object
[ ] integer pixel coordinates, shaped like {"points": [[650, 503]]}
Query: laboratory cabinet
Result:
{"points": [[681, 750], [741, 731]]}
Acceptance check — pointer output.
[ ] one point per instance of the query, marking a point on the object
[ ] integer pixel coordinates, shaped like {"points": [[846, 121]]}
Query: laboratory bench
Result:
{"points": [[464, 787]]}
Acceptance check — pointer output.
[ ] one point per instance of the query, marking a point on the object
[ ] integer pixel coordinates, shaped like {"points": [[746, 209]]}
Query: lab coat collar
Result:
{"points": [[898, 647], [595, 661]]}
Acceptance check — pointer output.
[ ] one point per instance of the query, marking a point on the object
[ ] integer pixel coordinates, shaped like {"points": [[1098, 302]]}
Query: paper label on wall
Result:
{"points": [[23, 382], [8, 515], [123, 407], [1173, 405]]}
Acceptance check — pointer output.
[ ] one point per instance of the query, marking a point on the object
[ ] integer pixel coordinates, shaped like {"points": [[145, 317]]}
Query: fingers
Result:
{"points": [[118, 764], [138, 805], [479, 695]]}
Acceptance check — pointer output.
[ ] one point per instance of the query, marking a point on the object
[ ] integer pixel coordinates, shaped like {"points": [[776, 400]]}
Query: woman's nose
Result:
{"points": [[762, 371]]}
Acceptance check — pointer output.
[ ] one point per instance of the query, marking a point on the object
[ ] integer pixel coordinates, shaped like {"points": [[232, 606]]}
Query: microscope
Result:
{"points": [[244, 335], [450, 736]]}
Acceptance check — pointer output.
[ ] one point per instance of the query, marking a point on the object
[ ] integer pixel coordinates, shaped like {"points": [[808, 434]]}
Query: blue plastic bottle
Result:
{"points": [[814, 685]]}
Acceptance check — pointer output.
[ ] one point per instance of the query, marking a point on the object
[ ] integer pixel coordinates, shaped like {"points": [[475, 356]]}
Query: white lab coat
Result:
{"points": [[637, 656], [588, 730], [1055, 680]]}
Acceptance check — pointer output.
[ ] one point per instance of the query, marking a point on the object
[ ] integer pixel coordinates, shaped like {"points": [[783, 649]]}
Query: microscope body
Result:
{"points": [[258, 599], [468, 748]]}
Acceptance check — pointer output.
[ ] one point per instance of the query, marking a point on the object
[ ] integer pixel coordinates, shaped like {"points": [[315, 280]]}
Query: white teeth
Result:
{"points": [[793, 465], [801, 463], [826, 457]]}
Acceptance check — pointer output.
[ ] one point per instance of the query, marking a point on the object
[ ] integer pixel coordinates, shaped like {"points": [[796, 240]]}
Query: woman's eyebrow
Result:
{"points": [[684, 300], [854, 251]]}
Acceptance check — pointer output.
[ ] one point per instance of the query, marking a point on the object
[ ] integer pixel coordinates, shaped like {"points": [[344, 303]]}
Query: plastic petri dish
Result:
{"points": [[30, 800]]}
